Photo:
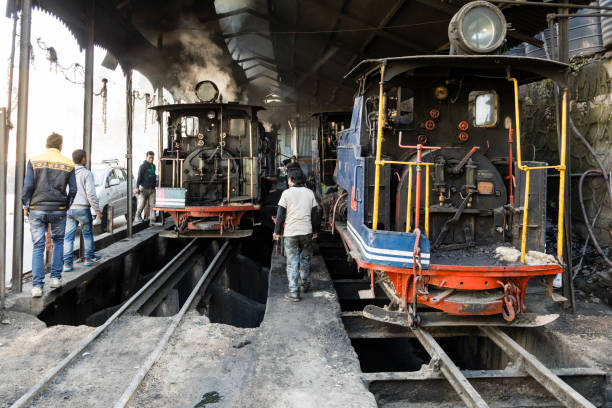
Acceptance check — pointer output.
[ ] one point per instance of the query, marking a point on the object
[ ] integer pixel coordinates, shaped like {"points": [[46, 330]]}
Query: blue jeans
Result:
{"points": [[78, 216], [39, 222], [298, 250]]}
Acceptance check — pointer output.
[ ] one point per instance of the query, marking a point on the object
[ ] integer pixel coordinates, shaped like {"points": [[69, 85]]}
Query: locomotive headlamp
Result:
{"points": [[477, 28], [206, 91]]}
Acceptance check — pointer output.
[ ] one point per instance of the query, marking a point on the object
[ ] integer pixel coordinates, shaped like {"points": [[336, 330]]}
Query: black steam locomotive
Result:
{"points": [[209, 169], [435, 201]]}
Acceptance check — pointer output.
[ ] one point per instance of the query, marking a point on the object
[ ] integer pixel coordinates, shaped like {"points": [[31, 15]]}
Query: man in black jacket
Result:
{"points": [[45, 202], [145, 186]]}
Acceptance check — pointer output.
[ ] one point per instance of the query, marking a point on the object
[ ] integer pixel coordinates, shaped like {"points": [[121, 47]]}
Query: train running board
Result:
{"points": [[439, 319], [206, 234]]}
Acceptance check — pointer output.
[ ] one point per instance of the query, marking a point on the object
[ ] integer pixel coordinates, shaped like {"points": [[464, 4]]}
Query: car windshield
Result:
{"points": [[98, 176]]}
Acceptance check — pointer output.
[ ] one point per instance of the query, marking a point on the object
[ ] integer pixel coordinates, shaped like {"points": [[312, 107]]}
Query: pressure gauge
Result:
{"points": [[211, 114], [441, 92]]}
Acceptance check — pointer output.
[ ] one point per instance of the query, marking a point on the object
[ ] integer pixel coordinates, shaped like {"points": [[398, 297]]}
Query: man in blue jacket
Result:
{"points": [[45, 202]]}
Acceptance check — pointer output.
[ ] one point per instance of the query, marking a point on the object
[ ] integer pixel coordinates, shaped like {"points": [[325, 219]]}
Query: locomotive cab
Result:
{"points": [[437, 192], [209, 169], [329, 127]]}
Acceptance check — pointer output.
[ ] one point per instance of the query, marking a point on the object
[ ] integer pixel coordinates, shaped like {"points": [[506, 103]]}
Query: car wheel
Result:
{"points": [[104, 220]]}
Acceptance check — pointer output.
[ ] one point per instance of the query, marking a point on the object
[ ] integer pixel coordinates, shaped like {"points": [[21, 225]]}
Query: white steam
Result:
{"points": [[208, 62]]}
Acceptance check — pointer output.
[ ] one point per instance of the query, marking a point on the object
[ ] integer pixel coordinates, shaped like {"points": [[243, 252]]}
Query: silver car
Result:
{"points": [[111, 188]]}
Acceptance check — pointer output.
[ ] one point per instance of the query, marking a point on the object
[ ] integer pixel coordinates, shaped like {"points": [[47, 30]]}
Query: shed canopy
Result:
{"points": [[297, 50]]}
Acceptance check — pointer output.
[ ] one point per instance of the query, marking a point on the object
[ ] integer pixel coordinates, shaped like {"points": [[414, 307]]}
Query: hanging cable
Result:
{"points": [[584, 214], [104, 94], [604, 172]]}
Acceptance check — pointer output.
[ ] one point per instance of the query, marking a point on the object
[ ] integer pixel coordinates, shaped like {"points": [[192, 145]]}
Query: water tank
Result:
{"points": [[585, 34], [606, 25], [585, 37], [537, 52], [519, 50]]}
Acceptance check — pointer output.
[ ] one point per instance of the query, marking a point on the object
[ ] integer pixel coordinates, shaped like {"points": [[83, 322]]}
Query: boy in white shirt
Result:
{"points": [[298, 211]]}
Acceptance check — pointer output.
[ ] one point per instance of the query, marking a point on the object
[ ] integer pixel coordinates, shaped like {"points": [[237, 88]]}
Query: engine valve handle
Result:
{"points": [[459, 166]]}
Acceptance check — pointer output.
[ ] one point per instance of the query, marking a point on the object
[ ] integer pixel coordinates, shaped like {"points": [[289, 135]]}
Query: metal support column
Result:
{"points": [[89, 67], [9, 105], [3, 168], [128, 155], [22, 123], [568, 285], [160, 133]]}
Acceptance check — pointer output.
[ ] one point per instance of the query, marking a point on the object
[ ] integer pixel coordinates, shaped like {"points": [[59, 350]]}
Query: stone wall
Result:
{"points": [[590, 96]]}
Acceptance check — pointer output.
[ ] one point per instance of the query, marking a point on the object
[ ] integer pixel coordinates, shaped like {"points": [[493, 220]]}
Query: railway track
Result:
{"points": [[142, 301], [524, 381]]}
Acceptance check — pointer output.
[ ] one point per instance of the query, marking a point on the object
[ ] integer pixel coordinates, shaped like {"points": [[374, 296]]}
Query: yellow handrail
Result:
{"points": [[411, 163], [378, 148], [527, 170], [562, 178], [409, 199], [427, 201], [525, 208]]}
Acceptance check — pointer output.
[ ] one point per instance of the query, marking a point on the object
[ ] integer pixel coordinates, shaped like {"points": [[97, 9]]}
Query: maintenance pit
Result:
{"points": [[244, 343]]}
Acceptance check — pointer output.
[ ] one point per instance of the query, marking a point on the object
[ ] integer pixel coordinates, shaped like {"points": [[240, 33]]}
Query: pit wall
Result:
{"points": [[590, 95]]}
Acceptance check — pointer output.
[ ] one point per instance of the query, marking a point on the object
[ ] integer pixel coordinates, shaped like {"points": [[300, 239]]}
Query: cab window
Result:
{"points": [[190, 126], [483, 108]]}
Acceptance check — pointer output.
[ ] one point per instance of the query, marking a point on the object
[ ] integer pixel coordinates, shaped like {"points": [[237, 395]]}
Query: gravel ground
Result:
{"points": [[192, 365], [99, 376], [29, 350]]}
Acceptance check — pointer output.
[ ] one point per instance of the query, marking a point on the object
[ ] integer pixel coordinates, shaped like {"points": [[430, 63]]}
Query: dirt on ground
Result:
{"points": [[28, 349], [191, 368]]}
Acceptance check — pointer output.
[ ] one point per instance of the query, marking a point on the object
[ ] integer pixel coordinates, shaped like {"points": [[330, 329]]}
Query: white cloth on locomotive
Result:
{"points": [[511, 254], [299, 202]]}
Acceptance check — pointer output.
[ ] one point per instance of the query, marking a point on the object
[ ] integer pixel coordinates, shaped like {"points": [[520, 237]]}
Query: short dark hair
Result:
{"points": [[78, 155], [54, 141], [297, 177], [150, 153]]}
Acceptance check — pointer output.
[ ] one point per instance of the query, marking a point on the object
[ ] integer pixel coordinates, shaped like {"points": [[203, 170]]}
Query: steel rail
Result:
{"points": [[51, 374], [129, 392], [455, 377], [551, 382]]}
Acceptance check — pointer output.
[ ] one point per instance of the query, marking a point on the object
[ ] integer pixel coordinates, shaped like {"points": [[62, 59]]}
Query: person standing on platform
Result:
{"points": [[45, 202], [298, 211], [80, 212], [145, 186]]}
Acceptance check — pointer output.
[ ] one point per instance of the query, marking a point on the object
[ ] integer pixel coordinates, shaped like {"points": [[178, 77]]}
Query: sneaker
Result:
{"points": [[67, 268], [294, 297], [137, 219], [89, 262], [558, 281], [37, 291], [305, 288], [56, 282]]}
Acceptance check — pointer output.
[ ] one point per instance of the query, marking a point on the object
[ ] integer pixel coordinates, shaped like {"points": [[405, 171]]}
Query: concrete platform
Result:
{"points": [[300, 356], [115, 247]]}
